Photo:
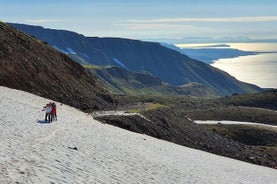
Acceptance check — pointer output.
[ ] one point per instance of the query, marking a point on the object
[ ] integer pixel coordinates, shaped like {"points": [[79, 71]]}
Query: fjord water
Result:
{"points": [[260, 69]]}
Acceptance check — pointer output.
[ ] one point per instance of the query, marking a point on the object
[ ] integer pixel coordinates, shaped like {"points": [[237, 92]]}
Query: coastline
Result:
{"points": [[249, 62]]}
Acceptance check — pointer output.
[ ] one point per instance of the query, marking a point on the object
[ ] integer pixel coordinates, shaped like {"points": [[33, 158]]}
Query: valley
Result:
{"points": [[138, 92], [141, 101]]}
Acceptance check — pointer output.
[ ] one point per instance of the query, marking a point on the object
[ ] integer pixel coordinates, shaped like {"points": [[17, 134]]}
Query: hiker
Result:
{"points": [[47, 108], [54, 111]]}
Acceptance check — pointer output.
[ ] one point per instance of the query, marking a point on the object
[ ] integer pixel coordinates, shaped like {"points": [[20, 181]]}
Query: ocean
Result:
{"points": [[260, 69]]}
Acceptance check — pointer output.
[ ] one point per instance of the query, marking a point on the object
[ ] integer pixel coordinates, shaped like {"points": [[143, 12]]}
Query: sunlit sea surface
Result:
{"points": [[260, 69]]}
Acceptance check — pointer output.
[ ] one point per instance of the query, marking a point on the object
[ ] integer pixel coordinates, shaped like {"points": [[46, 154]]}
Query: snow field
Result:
{"points": [[79, 149]]}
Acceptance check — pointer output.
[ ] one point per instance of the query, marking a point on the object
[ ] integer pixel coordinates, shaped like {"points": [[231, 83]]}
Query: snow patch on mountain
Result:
{"points": [[70, 50], [119, 63], [61, 50], [85, 55], [233, 123]]}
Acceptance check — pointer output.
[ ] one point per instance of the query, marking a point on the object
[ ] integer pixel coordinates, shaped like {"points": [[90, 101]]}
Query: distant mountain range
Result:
{"points": [[148, 57], [212, 40], [209, 54]]}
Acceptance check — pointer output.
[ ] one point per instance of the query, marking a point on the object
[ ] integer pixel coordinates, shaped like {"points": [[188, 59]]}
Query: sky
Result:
{"points": [[149, 19]]}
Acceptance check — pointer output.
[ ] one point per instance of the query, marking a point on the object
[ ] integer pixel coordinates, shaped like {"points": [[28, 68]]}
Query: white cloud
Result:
{"points": [[220, 19], [197, 26]]}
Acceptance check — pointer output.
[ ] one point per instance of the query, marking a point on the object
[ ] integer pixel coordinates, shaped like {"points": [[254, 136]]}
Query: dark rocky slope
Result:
{"points": [[28, 64]]}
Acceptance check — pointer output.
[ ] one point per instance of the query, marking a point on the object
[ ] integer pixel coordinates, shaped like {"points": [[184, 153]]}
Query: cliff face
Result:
{"points": [[30, 65], [164, 63]]}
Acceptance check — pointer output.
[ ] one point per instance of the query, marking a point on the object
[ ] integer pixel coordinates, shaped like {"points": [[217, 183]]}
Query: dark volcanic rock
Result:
{"points": [[30, 65]]}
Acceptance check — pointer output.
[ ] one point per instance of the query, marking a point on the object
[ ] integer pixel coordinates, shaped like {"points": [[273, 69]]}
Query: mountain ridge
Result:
{"points": [[166, 64]]}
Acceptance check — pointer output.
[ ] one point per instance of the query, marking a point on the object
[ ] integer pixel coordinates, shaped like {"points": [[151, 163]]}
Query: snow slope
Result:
{"points": [[78, 149]]}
